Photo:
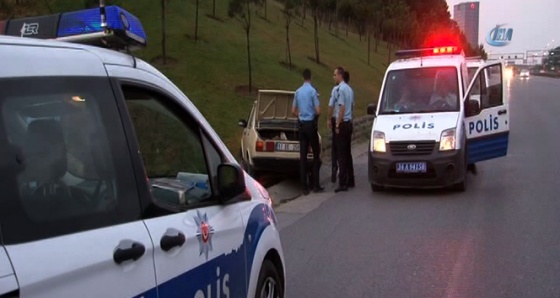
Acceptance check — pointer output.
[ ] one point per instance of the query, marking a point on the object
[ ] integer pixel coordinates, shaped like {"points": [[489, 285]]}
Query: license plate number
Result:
{"points": [[411, 167], [287, 147]]}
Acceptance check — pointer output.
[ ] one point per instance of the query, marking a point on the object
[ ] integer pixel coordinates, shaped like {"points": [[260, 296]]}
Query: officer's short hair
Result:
{"points": [[339, 70], [346, 77], [306, 74]]}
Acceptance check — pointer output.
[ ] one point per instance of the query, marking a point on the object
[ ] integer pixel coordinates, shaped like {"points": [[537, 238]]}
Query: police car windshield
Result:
{"points": [[421, 90]]}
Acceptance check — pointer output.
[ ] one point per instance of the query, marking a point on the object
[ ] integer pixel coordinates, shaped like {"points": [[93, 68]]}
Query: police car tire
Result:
{"points": [[269, 272]]}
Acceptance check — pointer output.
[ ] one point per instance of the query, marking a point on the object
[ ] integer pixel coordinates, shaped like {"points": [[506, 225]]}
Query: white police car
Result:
{"points": [[432, 120], [114, 185]]}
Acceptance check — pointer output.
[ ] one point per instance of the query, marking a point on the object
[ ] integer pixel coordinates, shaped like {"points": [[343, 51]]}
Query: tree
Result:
{"points": [[213, 8], [315, 5], [163, 33], [196, 21], [288, 11], [242, 10]]}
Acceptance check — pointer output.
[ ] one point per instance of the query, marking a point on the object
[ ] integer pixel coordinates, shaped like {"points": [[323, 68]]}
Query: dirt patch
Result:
{"points": [[244, 90], [214, 18], [169, 61], [294, 67], [313, 59], [199, 38]]}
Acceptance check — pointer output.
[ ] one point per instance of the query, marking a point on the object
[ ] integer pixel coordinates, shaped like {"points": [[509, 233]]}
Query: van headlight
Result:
{"points": [[379, 142], [447, 140]]}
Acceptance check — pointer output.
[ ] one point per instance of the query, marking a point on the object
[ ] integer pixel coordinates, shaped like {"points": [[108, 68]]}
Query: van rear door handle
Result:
{"points": [[502, 112]]}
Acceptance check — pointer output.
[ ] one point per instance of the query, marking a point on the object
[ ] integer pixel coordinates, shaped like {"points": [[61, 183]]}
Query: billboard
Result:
{"points": [[499, 36]]}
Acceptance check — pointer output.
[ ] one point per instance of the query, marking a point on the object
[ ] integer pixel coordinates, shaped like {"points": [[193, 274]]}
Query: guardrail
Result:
{"points": [[362, 132]]}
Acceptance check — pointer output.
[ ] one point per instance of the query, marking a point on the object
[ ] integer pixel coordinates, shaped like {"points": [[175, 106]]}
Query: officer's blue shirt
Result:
{"points": [[332, 100], [305, 100], [344, 97]]}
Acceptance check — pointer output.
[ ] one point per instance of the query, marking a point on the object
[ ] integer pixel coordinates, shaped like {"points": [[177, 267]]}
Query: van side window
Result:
{"points": [[172, 150], [65, 164]]}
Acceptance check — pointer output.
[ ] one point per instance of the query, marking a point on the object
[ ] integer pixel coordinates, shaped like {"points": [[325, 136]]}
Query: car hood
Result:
{"points": [[415, 127]]}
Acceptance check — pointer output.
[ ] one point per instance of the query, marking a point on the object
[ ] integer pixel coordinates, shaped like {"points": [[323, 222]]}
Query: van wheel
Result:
{"points": [[377, 188], [269, 284]]}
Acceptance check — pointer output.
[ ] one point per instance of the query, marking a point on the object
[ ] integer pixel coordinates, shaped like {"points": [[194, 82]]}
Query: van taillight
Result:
{"points": [[264, 146]]}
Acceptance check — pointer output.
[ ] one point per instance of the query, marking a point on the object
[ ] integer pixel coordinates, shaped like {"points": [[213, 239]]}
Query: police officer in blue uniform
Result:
{"points": [[343, 112], [306, 108]]}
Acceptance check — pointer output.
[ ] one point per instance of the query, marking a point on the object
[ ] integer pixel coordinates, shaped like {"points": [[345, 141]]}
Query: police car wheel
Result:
{"points": [[269, 284]]}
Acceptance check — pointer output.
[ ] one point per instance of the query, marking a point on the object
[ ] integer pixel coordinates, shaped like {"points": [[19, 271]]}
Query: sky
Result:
{"points": [[535, 23]]}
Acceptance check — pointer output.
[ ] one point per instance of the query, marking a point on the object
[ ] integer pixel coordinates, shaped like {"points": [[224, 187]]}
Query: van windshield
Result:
{"points": [[421, 90]]}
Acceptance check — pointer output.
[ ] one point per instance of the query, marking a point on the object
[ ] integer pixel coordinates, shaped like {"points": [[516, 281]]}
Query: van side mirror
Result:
{"points": [[242, 123], [371, 109], [231, 182], [473, 108]]}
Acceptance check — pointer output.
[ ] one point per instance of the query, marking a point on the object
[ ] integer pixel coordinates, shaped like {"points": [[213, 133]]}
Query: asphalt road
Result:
{"points": [[501, 238]]}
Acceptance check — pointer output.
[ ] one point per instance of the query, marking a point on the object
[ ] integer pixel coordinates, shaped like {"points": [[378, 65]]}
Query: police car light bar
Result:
{"points": [[110, 27], [449, 50]]}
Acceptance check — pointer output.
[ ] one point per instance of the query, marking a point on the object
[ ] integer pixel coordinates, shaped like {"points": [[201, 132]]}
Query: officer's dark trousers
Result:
{"points": [[344, 151], [308, 137], [334, 154]]}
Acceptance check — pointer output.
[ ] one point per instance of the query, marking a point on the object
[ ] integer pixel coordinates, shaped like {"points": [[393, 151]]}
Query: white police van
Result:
{"points": [[432, 120], [114, 185]]}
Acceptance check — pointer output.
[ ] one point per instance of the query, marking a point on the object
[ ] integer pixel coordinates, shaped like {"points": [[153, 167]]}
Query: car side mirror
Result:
{"points": [[371, 109], [473, 107], [231, 182], [242, 123]]}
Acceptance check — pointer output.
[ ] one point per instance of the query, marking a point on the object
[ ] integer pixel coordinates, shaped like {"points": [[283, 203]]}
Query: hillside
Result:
{"points": [[210, 70]]}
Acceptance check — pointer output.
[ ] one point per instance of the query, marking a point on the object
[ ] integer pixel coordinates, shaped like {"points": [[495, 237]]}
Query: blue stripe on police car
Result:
{"points": [[217, 276]]}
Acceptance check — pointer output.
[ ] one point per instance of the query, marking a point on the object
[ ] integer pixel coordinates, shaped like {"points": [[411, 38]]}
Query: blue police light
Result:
{"points": [[110, 27], [122, 29]]}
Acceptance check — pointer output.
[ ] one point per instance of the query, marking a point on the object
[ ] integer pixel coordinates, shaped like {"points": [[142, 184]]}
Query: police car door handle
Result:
{"points": [[168, 242], [135, 252], [502, 112]]}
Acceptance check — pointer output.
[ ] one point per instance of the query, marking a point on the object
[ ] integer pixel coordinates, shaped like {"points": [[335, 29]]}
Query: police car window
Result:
{"points": [[61, 138], [476, 86], [421, 90], [492, 95], [171, 149]]}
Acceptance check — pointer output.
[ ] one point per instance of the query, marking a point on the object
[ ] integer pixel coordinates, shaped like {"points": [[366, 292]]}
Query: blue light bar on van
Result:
{"points": [[122, 30]]}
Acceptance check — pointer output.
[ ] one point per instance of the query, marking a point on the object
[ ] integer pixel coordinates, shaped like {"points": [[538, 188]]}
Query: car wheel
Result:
{"points": [[461, 186], [269, 284], [247, 167], [377, 188]]}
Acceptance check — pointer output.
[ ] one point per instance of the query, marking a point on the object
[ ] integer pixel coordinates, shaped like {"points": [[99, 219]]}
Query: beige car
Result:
{"points": [[270, 140]]}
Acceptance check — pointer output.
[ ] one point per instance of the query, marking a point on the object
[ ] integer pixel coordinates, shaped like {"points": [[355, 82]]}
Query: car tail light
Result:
{"points": [[259, 146], [269, 146]]}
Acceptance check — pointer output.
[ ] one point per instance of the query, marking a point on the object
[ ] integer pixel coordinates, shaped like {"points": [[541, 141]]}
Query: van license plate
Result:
{"points": [[287, 147], [411, 167]]}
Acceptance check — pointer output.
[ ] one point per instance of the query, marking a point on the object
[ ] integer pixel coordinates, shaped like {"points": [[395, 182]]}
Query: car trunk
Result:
{"points": [[276, 125]]}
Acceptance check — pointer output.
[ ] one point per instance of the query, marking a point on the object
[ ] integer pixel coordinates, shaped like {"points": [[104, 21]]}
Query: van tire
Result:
{"points": [[269, 279]]}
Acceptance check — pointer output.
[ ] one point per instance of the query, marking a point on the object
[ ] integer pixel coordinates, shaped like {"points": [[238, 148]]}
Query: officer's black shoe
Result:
{"points": [[472, 168], [305, 192], [351, 184], [342, 188], [319, 189]]}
